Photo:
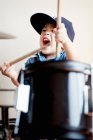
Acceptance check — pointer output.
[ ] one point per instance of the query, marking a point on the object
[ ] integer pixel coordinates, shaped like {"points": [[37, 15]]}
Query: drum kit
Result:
{"points": [[59, 103]]}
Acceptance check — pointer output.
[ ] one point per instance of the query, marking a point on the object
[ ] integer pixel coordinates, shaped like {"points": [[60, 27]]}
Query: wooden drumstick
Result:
{"points": [[58, 23], [24, 56]]}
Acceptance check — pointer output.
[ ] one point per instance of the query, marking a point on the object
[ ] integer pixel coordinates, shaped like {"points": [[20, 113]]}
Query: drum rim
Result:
{"points": [[67, 66]]}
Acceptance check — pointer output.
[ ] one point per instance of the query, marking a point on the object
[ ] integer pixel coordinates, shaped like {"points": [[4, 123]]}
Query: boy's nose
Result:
{"points": [[47, 33]]}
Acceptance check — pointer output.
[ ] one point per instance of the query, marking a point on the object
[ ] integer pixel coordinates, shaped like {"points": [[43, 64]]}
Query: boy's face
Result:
{"points": [[47, 39]]}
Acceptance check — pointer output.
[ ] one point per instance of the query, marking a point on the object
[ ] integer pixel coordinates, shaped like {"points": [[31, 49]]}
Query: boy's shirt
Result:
{"points": [[41, 57]]}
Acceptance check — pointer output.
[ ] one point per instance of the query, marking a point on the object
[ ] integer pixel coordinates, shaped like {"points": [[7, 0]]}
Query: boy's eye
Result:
{"points": [[52, 30], [43, 30]]}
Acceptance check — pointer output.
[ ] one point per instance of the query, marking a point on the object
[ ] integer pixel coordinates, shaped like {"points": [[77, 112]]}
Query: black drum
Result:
{"points": [[56, 103]]}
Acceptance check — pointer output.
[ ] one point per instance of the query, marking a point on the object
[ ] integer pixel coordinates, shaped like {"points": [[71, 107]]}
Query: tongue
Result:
{"points": [[46, 41]]}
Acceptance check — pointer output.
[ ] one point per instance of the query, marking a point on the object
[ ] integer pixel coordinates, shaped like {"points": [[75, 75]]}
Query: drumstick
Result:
{"points": [[58, 22], [24, 56]]}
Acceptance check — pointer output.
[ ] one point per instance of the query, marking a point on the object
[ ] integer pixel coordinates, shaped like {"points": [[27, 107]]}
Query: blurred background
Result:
{"points": [[17, 36]]}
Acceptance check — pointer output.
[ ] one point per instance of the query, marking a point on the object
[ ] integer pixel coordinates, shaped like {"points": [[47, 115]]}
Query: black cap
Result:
{"points": [[39, 20]]}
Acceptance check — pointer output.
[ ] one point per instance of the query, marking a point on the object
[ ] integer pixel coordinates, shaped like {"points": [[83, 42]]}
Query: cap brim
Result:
{"points": [[39, 20]]}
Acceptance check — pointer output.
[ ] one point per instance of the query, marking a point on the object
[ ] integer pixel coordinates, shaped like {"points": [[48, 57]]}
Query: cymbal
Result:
{"points": [[4, 35]]}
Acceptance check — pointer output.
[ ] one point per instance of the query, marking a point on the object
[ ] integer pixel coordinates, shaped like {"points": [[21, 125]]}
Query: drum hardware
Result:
{"points": [[6, 127], [23, 92], [5, 130], [23, 95], [91, 130], [86, 99], [88, 103]]}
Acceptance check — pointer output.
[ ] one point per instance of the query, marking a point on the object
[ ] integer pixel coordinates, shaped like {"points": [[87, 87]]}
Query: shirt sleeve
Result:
{"points": [[30, 61]]}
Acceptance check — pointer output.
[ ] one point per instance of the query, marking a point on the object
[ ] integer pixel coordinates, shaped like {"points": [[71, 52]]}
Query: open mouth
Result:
{"points": [[46, 41]]}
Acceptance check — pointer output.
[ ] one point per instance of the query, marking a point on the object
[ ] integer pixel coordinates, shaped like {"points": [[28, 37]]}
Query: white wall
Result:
{"points": [[15, 20]]}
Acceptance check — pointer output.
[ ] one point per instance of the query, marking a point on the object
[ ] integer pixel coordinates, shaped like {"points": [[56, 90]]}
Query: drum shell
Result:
{"points": [[51, 92], [52, 85]]}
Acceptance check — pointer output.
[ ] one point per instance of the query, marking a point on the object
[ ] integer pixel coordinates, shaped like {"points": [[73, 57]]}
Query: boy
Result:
{"points": [[50, 35]]}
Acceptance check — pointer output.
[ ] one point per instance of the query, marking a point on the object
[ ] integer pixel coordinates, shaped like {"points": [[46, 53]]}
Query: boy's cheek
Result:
{"points": [[53, 37]]}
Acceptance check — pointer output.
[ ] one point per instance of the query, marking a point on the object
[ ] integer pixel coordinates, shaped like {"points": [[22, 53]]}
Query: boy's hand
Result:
{"points": [[10, 72], [61, 34]]}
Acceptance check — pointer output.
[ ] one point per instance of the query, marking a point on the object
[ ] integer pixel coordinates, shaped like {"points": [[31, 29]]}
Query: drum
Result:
{"points": [[56, 103]]}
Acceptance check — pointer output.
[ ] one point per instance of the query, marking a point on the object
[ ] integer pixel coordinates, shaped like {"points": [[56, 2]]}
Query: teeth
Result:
{"points": [[45, 39]]}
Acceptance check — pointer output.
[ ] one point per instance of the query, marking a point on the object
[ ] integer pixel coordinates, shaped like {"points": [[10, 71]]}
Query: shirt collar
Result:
{"points": [[42, 57]]}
